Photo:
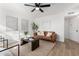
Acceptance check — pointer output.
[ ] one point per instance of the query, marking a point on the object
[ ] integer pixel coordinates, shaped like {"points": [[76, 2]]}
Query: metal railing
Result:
{"points": [[12, 47], [7, 48], [3, 41]]}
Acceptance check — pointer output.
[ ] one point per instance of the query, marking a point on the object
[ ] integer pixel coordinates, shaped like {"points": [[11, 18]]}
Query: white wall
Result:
{"points": [[66, 27], [3, 32], [6, 11], [2, 21], [51, 20], [52, 23]]}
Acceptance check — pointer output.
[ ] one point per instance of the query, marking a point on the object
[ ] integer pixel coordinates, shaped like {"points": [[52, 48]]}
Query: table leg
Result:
{"points": [[3, 44], [7, 43], [18, 50]]}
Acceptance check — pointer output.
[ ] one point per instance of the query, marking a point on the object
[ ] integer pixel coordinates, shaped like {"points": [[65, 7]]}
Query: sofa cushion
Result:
{"points": [[40, 33], [35, 33], [49, 34], [46, 38], [45, 33]]}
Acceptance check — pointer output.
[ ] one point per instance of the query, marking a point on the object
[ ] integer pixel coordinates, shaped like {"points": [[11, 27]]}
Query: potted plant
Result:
{"points": [[25, 33], [34, 27]]}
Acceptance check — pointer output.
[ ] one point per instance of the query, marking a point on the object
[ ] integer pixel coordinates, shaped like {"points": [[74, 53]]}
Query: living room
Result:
{"points": [[17, 18]]}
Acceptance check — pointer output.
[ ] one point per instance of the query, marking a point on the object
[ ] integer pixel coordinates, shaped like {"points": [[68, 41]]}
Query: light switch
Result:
{"points": [[76, 30]]}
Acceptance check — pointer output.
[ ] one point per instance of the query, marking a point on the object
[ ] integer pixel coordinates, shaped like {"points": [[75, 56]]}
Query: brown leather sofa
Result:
{"points": [[46, 35]]}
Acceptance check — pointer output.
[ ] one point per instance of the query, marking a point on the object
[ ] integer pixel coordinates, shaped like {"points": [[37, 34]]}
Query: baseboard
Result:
{"points": [[60, 41], [74, 40]]}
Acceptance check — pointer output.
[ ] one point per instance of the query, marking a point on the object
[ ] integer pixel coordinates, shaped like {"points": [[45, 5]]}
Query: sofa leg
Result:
{"points": [[54, 44]]}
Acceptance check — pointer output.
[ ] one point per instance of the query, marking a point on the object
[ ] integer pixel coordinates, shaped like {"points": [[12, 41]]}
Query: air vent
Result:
{"points": [[70, 12]]}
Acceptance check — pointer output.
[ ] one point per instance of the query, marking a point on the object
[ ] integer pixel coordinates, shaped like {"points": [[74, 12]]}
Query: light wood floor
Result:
{"points": [[68, 48]]}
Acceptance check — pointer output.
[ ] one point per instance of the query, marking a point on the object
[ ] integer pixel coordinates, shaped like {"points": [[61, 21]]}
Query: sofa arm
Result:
{"points": [[53, 37], [35, 34]]}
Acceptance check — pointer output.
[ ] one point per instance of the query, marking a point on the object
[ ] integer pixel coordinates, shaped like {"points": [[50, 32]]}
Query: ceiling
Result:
{"points": [[26, 10]]}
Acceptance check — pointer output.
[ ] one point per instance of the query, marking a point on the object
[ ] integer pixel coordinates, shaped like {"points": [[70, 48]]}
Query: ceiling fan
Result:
{"points": [[37, 6]]}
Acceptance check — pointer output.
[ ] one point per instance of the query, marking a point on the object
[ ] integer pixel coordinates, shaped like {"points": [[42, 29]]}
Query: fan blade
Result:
{"points": [[28, 5], [33, 10], [48, 5], [37, 4], [41, 10]]}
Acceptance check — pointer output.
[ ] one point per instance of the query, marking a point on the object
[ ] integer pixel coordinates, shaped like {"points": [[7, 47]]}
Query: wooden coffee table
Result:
{"points": [[34, 43]]}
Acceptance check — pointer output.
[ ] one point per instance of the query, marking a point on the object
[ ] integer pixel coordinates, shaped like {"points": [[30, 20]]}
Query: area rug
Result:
{"points": [[43, 50]]}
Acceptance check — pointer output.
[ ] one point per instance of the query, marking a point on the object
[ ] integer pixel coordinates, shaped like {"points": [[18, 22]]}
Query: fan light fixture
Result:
{"points": [[37, 8]]}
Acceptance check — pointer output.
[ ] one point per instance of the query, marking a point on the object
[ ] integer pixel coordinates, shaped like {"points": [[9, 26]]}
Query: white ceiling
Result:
{"points": [[26, 10]]}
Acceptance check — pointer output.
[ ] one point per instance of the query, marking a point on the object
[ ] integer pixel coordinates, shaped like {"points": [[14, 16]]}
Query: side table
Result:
{"points": [[34, 43], [24, 41]]}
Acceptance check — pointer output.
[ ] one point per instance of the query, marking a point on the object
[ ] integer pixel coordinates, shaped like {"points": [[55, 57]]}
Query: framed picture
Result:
{"points": [[11, 23], [24, 25]]}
